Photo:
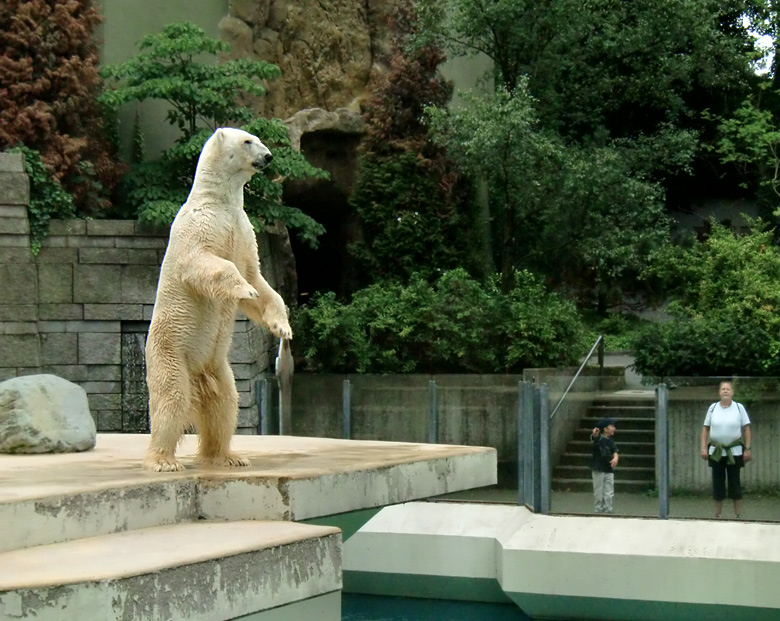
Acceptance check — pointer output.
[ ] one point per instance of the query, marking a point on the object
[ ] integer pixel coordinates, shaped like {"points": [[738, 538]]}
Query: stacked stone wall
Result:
{"points": [[81, 307]]}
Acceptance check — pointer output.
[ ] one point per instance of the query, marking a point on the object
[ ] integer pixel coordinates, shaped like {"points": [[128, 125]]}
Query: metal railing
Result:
{"points": [[599, 344]]}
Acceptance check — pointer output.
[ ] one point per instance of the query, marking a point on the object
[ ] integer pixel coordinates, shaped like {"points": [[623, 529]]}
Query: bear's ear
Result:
{"points": [[219, 134]]}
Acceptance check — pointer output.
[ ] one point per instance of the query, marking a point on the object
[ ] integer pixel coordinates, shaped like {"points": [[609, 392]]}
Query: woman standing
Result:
{"points": [[725, 444]]}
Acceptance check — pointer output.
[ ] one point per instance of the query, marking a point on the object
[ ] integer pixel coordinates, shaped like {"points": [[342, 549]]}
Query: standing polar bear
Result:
{"points": [[210, 270]]}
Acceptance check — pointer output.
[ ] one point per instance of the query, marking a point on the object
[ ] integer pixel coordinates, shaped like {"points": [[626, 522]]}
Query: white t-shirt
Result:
{"points": [[726, 424]]}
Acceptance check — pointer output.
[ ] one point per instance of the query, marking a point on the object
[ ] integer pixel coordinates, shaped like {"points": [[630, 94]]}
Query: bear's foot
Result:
{"points": [[159, 463], [229, 460]]}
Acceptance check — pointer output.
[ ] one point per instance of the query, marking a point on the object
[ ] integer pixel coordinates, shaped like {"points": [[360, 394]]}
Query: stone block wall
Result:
{"points": [[80, 309]]}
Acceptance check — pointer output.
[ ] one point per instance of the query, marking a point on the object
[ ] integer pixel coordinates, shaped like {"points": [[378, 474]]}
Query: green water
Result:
{"points": [[379, 608]]}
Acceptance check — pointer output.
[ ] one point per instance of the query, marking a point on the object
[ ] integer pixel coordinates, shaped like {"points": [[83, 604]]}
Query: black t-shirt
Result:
{"points": [[602, 450]]}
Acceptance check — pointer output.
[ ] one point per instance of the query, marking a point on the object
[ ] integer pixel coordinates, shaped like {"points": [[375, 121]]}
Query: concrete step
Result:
{"points": [[633, 473], [627, 447], [196, 571], [586, 485], [622, 411], [577, 459], [623, 423]]}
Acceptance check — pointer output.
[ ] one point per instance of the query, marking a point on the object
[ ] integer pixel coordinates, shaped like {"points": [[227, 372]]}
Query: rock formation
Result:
{"points": [[328, 52]]}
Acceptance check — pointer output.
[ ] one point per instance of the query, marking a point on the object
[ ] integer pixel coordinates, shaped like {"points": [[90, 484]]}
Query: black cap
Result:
{"points": [[605, 422]]}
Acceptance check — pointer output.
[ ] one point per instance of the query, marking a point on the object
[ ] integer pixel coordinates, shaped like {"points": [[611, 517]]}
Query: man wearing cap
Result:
{"points": [[602, 464]]}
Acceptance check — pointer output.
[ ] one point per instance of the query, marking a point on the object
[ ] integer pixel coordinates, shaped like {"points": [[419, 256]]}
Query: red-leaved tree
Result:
{"points": [[48, 87], [412, 206]]}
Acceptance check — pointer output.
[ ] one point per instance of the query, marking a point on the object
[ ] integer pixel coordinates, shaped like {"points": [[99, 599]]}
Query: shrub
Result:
{"points": [[49, 83], [725, 302], [455, 325]]}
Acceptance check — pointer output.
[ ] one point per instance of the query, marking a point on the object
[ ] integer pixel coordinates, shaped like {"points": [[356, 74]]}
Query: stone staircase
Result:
{"points": [[635, 438]]}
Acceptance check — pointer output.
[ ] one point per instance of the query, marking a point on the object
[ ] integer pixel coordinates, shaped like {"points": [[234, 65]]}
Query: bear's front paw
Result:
{"points": [[162, 464], [282, 330], [247, 292]]}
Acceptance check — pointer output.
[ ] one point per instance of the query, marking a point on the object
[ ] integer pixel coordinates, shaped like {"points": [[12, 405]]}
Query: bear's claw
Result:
{"points": [[230, 460], [163, 464]]}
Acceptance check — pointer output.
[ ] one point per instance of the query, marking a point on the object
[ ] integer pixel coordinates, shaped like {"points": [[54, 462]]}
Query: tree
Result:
{"points": [[48, 85], [608, 68], [411, 204], [583, 217], [203, 97]]}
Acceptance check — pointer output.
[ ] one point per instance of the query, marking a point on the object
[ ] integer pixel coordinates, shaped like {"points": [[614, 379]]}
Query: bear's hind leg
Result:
{"points": [[217, 415], [169, 405]]}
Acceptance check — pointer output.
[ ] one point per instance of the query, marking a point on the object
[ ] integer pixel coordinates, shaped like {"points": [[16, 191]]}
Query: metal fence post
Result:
{"points": [[544, 450], [433, 413], [528, 444], [662, 448], [521, 413], [346, 409], [263, 403]]}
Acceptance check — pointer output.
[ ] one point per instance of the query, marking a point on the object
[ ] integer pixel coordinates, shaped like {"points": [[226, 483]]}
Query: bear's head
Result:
{"points": [[235, 153]]}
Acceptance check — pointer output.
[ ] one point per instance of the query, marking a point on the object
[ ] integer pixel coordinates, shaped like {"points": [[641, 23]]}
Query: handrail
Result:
{"points": [[600, 344]]}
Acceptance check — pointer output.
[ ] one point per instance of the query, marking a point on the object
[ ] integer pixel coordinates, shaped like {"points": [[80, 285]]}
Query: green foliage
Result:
{"points": [[454, 325], [749, 140], [47, 197], [726, 296], [413, 210], [581, 216], [199, 93], [604, 68], [405, 228], [202, 97], [620, 330]]}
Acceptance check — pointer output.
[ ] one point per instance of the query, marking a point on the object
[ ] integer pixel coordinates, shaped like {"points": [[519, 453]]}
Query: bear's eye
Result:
{"points": [[247, 142]]}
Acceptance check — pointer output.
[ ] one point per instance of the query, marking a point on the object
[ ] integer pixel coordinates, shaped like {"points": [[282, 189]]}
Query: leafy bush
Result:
{"points": [[203, 97], [411, 204], [49, 83], [454, 325], [620, 330], [47, 197], [725, 301]]}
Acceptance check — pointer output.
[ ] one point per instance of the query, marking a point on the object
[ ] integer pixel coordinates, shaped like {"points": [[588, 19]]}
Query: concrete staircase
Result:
{"points": [[635, 438]]}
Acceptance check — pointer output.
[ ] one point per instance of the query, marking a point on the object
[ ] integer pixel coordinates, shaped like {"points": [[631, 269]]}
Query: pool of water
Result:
{"points": [[378, 608]]}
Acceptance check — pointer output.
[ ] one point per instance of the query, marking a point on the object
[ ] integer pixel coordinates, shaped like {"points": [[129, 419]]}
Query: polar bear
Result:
{"points": [[211, 269]]}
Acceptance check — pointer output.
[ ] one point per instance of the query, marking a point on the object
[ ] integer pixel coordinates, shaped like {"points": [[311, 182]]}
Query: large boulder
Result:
{"points": [[44, 414]]}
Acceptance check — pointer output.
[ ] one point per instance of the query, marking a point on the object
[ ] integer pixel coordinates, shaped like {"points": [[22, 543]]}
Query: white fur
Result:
{"points": [[211, 269]]}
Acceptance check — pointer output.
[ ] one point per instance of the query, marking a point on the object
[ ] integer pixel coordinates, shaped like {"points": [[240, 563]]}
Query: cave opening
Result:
{"points": [[329, 266]]}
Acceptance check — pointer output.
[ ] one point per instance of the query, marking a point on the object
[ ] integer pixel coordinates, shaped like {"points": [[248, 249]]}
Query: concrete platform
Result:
{"points": [[197, 571], [565, 567], [52, 498], [92, 535]]}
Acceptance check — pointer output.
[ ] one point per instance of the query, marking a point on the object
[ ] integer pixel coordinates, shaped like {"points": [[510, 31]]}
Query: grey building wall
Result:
{"points": [[80, 309]]}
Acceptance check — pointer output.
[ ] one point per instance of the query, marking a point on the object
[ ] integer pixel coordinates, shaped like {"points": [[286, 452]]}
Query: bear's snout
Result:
{"points": [[262, 161]]}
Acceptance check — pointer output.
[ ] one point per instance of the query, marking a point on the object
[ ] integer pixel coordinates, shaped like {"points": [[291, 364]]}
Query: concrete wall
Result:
{"points": [[687, 409], [475, 410], [80, 309]]}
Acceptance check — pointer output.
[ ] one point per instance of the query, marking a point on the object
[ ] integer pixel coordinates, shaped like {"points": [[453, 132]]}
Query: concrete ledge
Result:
{"points": [[190, 571], [562, 567], [51, 498]]}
